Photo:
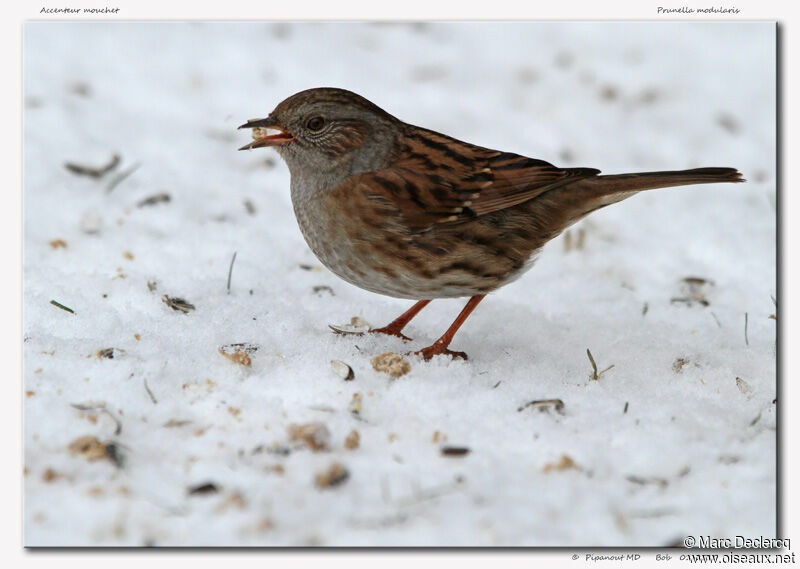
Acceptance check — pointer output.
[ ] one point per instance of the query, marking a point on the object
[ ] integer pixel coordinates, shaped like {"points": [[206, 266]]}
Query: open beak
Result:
{"points": [[264, 133]]}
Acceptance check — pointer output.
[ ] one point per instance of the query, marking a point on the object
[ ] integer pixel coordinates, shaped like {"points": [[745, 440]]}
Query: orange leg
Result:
{"points": [[439, 347], [400, 322]]}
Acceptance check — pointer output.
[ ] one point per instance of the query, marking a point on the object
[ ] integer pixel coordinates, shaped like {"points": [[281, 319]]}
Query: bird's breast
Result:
{"points": [[370, 248]]}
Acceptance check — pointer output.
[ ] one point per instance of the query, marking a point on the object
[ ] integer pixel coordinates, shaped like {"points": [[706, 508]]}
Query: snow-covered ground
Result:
{"points": [[676, 439]]}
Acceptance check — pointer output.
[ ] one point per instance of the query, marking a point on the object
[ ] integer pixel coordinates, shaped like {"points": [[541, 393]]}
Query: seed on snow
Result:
{"points": [[315, 436], [356, 326], [390, 363], [343, 370]]}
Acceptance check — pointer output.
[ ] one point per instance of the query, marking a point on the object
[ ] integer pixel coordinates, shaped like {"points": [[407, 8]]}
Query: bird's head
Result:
{"points": [[324, 130]]}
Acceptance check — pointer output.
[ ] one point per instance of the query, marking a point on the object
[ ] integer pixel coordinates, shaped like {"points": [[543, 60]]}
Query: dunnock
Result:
{"points": [[411, 213]]}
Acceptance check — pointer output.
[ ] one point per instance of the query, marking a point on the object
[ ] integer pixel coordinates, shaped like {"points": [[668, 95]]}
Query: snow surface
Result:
{"points": [[662, 449]]}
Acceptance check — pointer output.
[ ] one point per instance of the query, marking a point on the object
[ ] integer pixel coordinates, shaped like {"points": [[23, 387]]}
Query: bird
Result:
{"points": [[408, 212]]}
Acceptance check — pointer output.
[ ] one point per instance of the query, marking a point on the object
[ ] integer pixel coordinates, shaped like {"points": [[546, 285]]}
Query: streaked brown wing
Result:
{"points": [[464, 181]]}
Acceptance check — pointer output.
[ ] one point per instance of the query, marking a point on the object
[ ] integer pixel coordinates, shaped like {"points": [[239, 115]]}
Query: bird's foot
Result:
{"points": [[390, 331], [438, 349]]}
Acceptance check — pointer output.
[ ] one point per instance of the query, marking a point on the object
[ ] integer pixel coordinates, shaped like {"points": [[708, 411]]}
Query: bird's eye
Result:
{"points": [[315, 123]]}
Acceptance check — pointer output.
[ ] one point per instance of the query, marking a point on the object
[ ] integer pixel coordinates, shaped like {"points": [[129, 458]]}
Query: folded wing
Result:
{"points": [[462, 182]]}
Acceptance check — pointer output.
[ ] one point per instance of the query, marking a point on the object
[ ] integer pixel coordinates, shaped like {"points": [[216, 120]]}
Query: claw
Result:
{"points": [[438, 350], [390, 332]]}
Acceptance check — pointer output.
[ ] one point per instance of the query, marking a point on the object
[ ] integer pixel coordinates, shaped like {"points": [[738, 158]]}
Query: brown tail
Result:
{"points": [[575, 201], [653, 180], [616, 187]]}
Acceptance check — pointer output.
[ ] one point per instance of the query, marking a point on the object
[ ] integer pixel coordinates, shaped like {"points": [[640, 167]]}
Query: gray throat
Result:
{"points": [[313, 173]]}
